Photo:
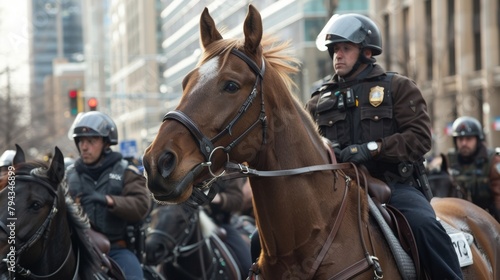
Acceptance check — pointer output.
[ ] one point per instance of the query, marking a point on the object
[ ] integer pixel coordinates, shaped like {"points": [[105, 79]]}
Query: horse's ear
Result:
{"points": [[56, 170], [208, 31], [19, 156], [252, 28]]}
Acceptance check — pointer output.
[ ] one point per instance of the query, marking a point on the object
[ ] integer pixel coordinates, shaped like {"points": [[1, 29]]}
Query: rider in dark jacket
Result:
{"points": [[475, 167], [379, 119], [112, 193]]}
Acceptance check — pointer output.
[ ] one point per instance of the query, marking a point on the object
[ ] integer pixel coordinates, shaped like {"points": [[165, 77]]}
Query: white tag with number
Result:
{"points": [[462, 248]]}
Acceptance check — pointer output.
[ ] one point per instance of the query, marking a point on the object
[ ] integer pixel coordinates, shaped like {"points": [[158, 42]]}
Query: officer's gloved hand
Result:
{"points": [[357, 153], [336, 150], [93, 197]]}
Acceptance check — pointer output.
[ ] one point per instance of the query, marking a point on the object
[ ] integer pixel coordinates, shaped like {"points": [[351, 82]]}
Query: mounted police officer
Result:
{"points": [[112, 193], [379, 119], [475, 167]]}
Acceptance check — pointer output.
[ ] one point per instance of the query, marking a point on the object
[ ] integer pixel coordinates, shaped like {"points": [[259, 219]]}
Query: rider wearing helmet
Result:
{"points": [[6, 161], [474, 166], [112, 193], [379, 119]]}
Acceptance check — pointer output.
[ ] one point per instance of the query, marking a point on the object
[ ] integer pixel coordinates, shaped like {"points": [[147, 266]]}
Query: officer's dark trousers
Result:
{"points": [[435, 249], [239, 247]]}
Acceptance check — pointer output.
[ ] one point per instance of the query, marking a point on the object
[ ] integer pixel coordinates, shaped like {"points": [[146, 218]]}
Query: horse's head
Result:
{"points": [[222, 114], [171, 227], [29, 194]]}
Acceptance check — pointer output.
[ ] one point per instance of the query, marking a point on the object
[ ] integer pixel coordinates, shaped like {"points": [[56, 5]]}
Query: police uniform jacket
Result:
{"points": [[126, 187], [374, 105]]}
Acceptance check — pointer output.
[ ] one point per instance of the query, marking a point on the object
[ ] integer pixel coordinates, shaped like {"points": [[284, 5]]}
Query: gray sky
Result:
{"points": [[14, 47]]}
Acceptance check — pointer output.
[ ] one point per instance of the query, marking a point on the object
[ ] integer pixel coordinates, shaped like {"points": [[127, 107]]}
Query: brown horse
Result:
{"points": [[313, 219]]}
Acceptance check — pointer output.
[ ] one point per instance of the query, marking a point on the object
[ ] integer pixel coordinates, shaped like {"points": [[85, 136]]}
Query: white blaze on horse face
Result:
{"points": [[207, 72]]}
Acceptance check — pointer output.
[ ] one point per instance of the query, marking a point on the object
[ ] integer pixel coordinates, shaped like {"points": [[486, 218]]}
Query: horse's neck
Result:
{"points": [[295, 140], [58, 249]]}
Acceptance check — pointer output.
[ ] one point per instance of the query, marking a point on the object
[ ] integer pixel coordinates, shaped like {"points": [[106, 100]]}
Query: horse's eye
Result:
{"points": [[36, 205], [231, 87]]}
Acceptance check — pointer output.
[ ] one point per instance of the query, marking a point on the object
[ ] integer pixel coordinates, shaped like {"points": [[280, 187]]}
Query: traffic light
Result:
{"points": [[92, 102], [73, 102]]}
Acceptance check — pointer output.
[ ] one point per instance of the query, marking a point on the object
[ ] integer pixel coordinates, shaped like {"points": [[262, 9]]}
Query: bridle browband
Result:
{"points": [[42, 231]]}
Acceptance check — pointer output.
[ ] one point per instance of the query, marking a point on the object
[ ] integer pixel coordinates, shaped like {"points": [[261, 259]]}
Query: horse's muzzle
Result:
{"points": [[166, 164]]}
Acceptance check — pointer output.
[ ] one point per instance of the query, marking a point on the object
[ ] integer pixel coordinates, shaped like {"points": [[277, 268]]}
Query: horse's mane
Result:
{"points": [[77, 219], [275, 52]]}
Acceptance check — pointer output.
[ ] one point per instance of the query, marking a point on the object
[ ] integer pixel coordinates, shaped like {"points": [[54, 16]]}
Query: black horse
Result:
{"points": [[186, 244], [441, 181], [43, 233]]}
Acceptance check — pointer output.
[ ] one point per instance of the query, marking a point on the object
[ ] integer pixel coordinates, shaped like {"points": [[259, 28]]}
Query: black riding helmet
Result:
{"points": [[467, 126], [353, 28], [94, 123]]}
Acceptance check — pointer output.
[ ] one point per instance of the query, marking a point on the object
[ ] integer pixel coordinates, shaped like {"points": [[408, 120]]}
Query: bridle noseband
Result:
{"points": [[206, 145]]}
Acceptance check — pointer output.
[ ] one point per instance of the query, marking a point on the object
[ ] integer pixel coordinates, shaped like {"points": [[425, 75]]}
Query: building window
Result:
{"points": [[451, 38], [480, 102], [428, 38], [476, 27], [312, 28], [387, 42], [498, 28]]}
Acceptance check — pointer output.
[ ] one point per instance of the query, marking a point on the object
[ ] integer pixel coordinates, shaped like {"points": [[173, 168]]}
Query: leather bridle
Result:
{"points": [[41, 232], [182, 248], [207, 145]]}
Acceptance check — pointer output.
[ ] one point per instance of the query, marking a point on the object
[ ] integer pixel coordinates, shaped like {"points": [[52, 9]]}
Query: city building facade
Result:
{"points": [[55, 33], [451, 50]]}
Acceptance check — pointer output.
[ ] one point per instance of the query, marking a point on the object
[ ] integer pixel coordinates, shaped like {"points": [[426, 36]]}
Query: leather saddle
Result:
{"points": [[102, 246], [380, 193]]}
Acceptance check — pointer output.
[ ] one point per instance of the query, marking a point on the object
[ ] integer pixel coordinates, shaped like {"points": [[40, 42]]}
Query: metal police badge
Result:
{"points": [[376, 96]]}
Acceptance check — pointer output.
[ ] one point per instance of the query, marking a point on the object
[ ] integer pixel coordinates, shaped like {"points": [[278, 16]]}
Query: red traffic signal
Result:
{"points": [[73, 102], [92, 102], [73, 93]]}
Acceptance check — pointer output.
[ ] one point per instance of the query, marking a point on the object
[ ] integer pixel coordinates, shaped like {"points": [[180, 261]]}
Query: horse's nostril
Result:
{"points": [[166, 164]]}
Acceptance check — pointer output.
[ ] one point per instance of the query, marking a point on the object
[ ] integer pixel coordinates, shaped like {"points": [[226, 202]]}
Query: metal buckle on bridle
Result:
{"points": [[243, 168], [377, 269]]}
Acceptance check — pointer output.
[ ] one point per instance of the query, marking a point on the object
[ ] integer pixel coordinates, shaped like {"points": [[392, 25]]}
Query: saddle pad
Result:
{"points": [[461, 242], [403, 260]]}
